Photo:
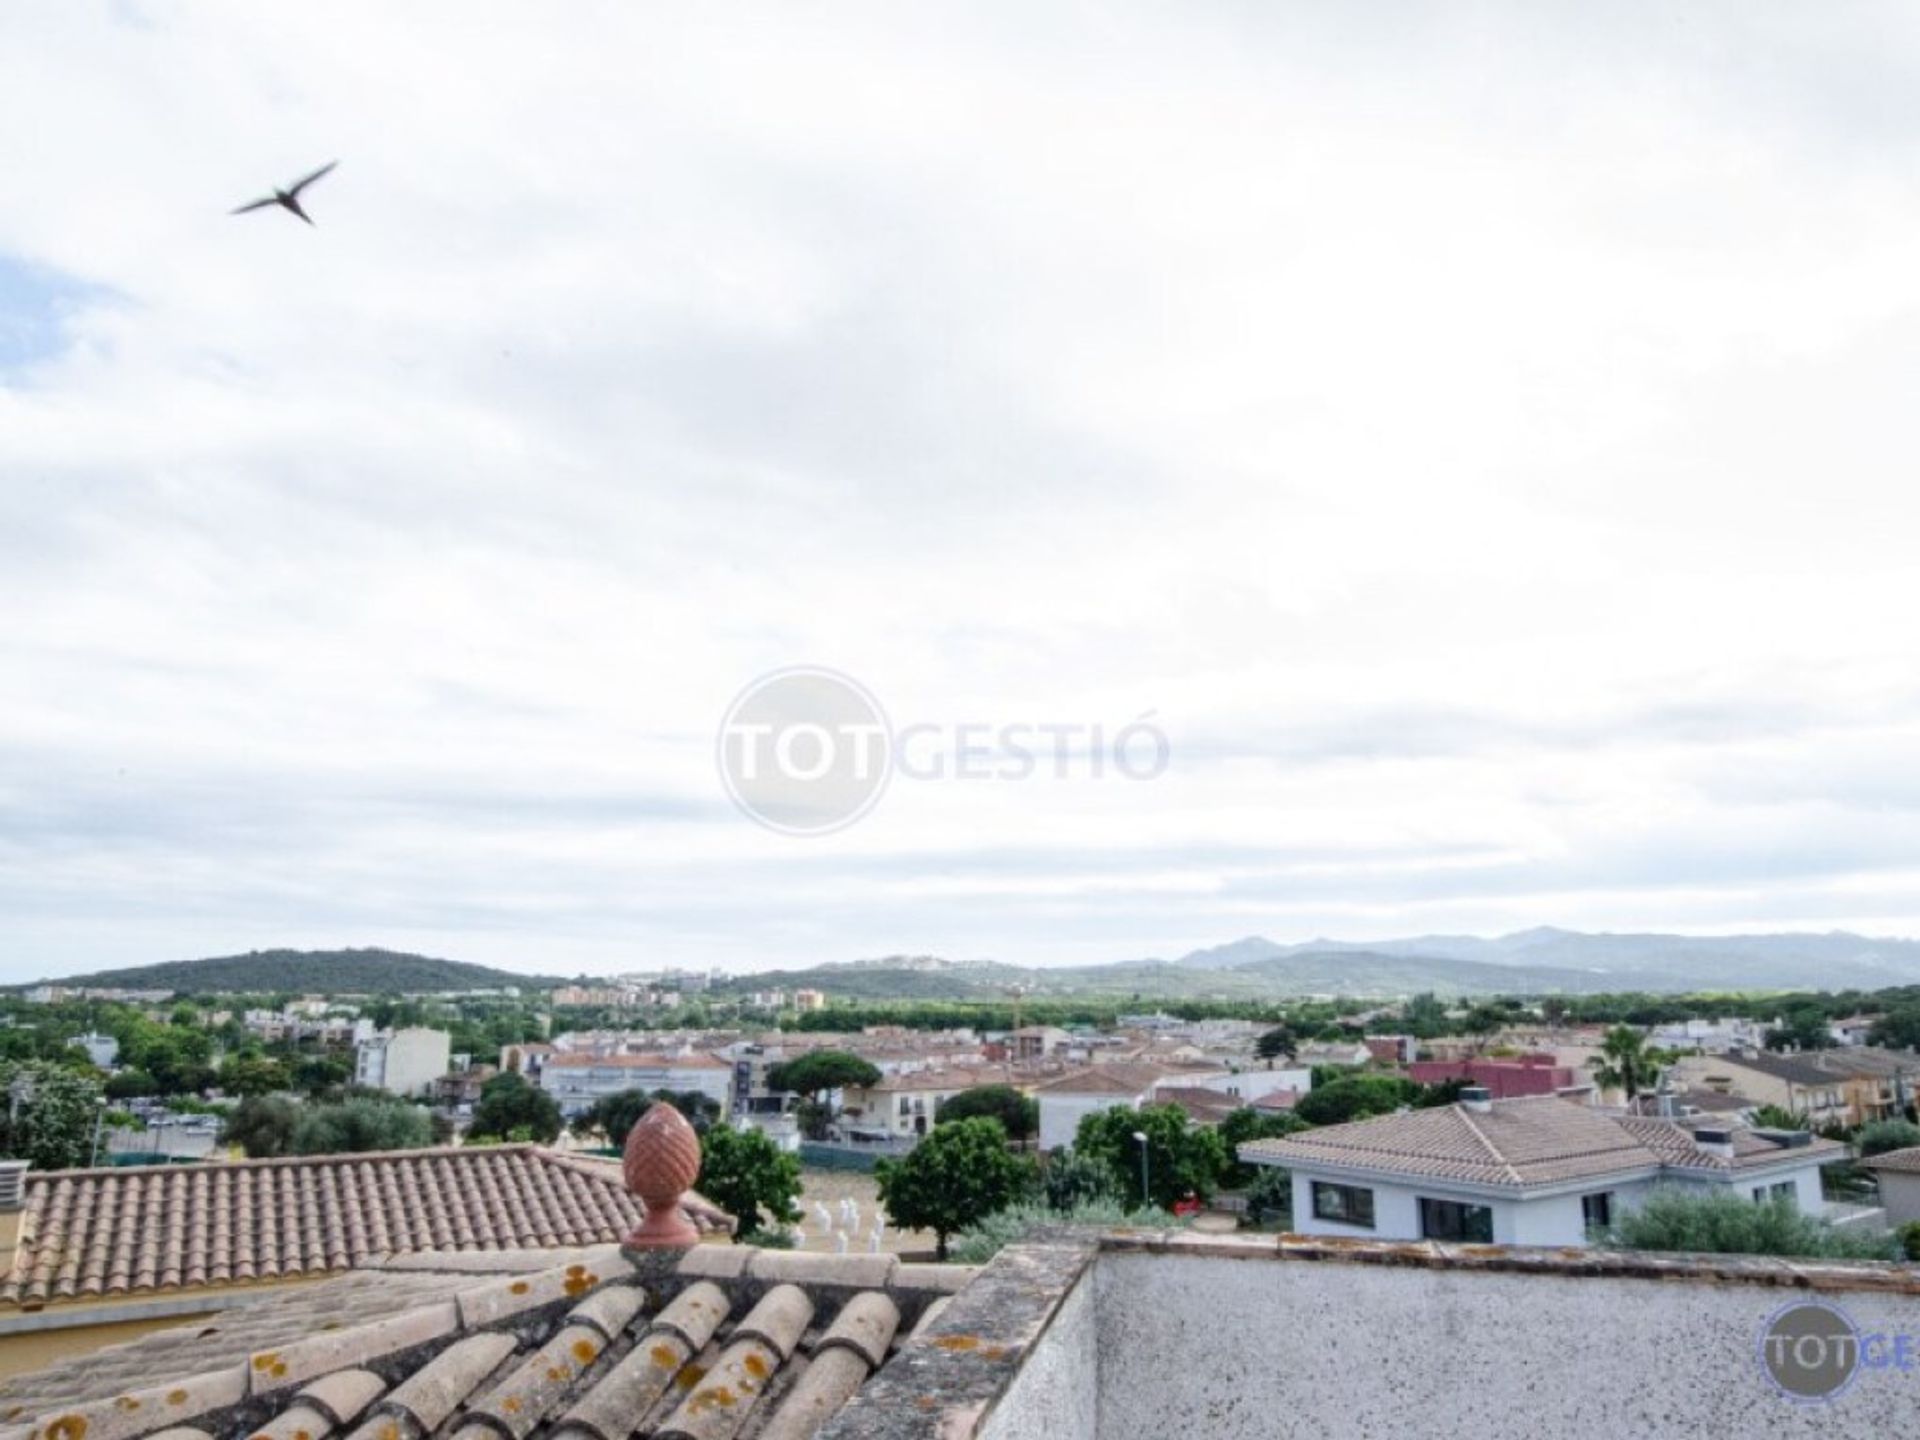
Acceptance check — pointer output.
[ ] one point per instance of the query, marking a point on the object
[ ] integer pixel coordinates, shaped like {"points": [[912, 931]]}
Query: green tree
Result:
{"points": [[1355, 1097], [959, 1174], [360, 1124], [1281, 1040], [745, 1173], [1019, 1115], [1778, 1117], [508, 1104], [52, 1122], [1629, 1066], [1483, 1022], [248, 1075], [131, 1084], [1246, 1124], [1727, 1223], [1898, 1029], [1884, 1135], [1804, 1028], [263, 1125], [317, 1074], [819, 1073], [614, 1115], [1182, 1158]]}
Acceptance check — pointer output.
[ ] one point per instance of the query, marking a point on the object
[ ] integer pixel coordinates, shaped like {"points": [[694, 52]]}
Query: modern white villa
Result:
{"points": [[1534, 1171]]}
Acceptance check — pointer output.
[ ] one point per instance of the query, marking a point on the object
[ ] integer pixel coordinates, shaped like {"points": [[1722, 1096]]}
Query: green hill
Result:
{"points": [[319, 972]]}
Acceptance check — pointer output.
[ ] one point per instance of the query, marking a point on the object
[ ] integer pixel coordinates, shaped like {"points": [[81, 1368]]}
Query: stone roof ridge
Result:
{"points": [[1493, 1151]]}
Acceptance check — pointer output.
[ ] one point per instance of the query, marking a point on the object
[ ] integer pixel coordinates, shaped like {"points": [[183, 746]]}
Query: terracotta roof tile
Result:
{"points": [[130, 1231], [597, 1359]]}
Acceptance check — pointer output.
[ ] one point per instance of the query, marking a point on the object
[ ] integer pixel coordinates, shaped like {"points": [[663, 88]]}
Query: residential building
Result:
{"points": [[907, 1104], [1534, 1171], [1853, 1029], [1031, 1044], [1353, 1053], [1898, 1174], [576, 1081], [1504, 1079], [1065, 1100], [1069, 1337], [102, 1050], [403, 1062], [809, 1000], [1851, 1086]]}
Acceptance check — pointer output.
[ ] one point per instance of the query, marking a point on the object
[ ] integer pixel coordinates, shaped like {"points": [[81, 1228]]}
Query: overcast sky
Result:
{"points": [[1479, 437]]}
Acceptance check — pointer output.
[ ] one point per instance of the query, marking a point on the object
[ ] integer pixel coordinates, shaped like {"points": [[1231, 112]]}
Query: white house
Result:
{"points": [[1247, 1086], [1534, 1171], [405, 1062], [102, 1050], [577, 1080], [1101, 1087], [1898, 1172]]}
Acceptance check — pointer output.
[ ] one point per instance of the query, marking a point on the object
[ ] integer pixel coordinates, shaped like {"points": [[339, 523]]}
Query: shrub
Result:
{"points": [[1071, 1178], [1721, 1223], [1884, 1135], [985, 1238], [1270, 1196], [1910, 1239]]}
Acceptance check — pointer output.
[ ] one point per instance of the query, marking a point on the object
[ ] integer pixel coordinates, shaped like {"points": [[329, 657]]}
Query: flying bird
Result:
{"points": [[289, 198]]}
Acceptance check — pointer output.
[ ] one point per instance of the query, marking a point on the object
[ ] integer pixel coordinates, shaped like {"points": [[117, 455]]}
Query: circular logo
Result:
{"points": [[805, 751], [1810, 1350]]}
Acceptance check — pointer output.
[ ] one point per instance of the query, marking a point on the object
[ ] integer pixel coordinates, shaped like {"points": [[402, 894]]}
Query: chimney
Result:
{"points": [[1715, 1140], [13, 1209], [1476, 1098]]}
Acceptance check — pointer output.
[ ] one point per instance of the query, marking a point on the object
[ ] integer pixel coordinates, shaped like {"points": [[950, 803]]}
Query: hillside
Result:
{"points": [[319, 972], [1532, 959]]}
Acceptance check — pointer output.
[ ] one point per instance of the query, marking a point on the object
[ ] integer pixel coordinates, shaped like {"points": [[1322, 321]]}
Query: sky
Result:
{"points": [[1469, 435]]}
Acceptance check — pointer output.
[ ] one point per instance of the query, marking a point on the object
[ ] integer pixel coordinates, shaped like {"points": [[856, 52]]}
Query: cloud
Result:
{"points": [[1476, 439]]}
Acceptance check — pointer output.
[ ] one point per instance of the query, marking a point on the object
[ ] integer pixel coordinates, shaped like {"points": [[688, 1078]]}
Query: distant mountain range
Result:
{"points": [[1833, 961], [1542, 961], [315, 972]]}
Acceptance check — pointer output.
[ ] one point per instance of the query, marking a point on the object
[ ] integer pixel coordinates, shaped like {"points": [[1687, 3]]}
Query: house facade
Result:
{"points": [[1531, 1171], [403, 1062], [576, 1081]]}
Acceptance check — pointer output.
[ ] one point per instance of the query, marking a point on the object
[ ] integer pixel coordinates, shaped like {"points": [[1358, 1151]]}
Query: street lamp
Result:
{"points": [[1146, 1191]]}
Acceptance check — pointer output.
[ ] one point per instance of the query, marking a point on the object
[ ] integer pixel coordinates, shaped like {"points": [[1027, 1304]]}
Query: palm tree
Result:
{"points": [[1628, 1066]]}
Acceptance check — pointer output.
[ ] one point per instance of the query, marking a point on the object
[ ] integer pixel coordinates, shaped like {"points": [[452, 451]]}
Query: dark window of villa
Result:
{"points": [[1450, 1220], [1347, 1204], [1596, 1210], [1785, 1193]]}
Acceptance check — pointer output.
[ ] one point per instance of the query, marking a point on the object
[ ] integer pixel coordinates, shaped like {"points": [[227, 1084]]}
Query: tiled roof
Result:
{"points": [[1119, 1079], [684, 1344], [1536, 1140], [1900, 1162], [133, 1231]]}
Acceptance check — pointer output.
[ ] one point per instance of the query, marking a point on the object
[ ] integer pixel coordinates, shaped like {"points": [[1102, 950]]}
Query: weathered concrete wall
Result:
{"points": [[1055, 1395], [1189, 1344]]}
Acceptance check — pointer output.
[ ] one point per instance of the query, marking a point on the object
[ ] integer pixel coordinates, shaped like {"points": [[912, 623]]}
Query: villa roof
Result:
{"points": [[578, 1059], [141, 1229], [1898, 1162], [1535, 1140]]}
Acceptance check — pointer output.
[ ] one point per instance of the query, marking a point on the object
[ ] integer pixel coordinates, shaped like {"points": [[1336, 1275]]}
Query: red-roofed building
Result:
{"points": [[1503, 1079]]}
